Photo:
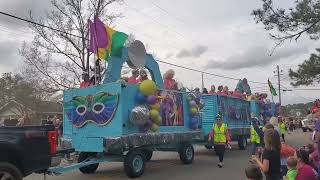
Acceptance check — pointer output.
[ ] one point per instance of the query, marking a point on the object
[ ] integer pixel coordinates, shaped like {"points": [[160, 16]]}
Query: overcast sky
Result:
{"points": [[220, 37]]}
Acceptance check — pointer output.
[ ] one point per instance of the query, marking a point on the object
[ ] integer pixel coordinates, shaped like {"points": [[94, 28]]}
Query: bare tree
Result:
{"points": [[58, 58]]}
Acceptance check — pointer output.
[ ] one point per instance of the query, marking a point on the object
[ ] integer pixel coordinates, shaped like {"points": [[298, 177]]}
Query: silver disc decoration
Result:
{"points": [[137, 55], [139, 115]]}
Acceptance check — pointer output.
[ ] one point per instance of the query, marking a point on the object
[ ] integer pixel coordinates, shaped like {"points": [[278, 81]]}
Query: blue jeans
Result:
{"points": [[254, 146]]}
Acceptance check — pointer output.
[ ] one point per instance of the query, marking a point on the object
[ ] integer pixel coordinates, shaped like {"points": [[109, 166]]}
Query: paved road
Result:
{"points": [[166, 165]]}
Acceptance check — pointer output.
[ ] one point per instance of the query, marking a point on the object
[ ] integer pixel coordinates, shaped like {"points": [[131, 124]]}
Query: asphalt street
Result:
{"points": [[167, 165]]}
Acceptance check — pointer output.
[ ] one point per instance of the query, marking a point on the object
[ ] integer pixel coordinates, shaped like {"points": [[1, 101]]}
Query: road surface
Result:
{"points": [[167, 165]]}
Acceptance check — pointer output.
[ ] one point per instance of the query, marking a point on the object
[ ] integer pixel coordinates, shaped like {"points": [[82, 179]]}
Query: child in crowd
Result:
{"points": [[286, 152], [292, 169], [253, 173]]}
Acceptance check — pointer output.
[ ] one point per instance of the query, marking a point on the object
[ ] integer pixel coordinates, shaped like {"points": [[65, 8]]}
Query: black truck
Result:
{"points": [[26, 150]]}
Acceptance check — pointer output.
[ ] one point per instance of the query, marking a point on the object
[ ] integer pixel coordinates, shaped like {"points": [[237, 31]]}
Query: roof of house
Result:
{"points": [[39, 107]]}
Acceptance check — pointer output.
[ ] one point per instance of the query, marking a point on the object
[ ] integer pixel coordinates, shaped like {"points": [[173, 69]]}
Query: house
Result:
{"points": [[39, 111]]}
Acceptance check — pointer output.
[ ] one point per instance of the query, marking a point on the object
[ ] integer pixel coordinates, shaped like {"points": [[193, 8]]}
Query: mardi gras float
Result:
{"points": [[116, 121]]}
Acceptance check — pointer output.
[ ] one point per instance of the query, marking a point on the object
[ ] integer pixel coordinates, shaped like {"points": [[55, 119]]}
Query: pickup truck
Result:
{"points": [[26, 150]]}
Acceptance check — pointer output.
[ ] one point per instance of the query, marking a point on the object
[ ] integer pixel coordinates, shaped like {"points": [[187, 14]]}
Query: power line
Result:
{"points": [[38, 24], [196, 70], [154, 20], [167, 12], [208, 73]]}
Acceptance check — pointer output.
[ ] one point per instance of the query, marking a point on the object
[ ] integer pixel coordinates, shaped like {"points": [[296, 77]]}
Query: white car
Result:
{"points": [[307, 124]]}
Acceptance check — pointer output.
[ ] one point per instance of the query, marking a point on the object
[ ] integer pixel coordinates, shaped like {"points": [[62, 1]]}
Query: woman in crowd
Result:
{"points": [[305, 171], [270, 164]]}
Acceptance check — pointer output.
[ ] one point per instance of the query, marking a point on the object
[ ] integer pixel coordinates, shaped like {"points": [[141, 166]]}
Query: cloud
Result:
{"points": [[168, 55], [195, 52], [9, 55], [256, 56]]}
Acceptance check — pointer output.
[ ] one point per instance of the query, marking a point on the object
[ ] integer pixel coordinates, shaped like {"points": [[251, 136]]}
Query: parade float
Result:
{"points": [[117, 121]]}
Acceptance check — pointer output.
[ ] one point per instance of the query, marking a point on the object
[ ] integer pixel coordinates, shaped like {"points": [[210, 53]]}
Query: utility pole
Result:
{"points": [[278, 74], [202, 82]]}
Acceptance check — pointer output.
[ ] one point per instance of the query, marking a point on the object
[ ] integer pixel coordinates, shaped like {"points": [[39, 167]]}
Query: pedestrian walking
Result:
{"points": [[282, 127], [270, 164], [221, 137]]}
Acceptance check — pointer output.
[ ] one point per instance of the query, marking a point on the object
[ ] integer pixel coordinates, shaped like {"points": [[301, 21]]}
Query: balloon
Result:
{"points": [[148, 87], [193, 103], [151, 99], [158, 120], [154, 127], [155, 106], [140, 98], [154, 114], [139, 115], [193, 110]]}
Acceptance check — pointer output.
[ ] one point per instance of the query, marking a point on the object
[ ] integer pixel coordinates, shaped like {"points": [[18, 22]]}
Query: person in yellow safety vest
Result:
{"points": [[254, 136], [282, 127], [221, 137]]}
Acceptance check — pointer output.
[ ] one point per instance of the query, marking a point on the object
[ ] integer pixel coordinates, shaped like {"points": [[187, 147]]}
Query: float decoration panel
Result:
{"points": [[124, 143], [171, 108], [98, 108]]}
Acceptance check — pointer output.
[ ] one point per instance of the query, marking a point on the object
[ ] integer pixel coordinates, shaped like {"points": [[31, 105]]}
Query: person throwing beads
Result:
{"points": [[221, 137]]}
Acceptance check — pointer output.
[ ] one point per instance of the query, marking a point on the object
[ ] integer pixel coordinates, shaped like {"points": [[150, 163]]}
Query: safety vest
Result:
{"points": [[220, 134], [254, 137], [282, 127]]}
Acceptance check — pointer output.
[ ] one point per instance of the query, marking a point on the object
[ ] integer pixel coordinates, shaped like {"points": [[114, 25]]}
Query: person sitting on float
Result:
{"points": [[225, 91], [212, 90], [143, 75], [134, 78], [237, 93], [197, 92], [85, 81], [220, 89], [205, 91], [169, 82]]}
